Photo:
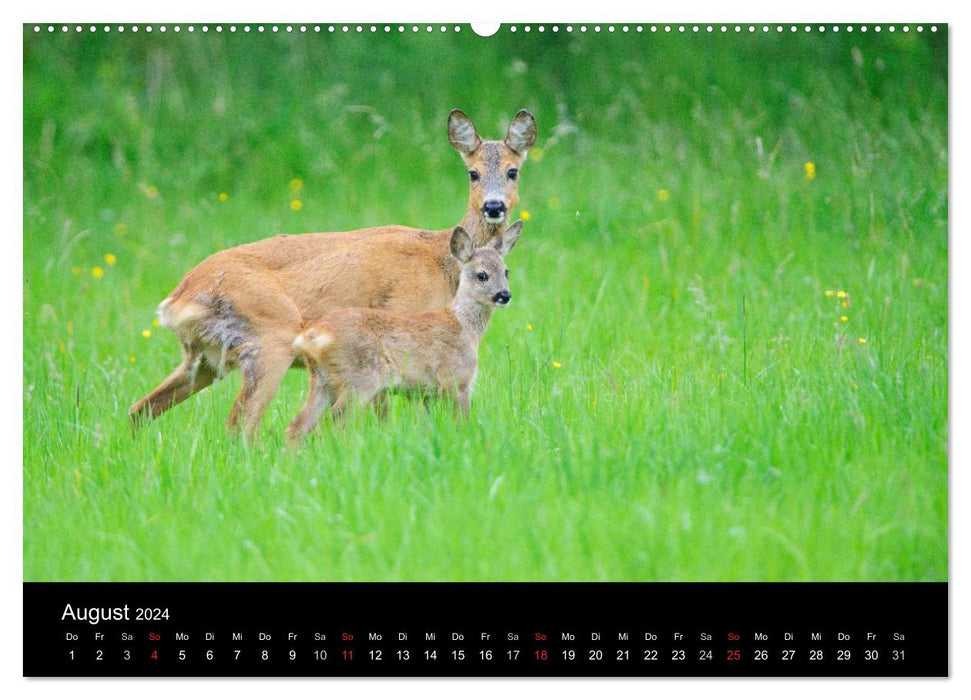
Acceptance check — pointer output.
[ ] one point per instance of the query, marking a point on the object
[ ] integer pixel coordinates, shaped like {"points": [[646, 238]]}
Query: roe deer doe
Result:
{"points": [[360, 353], [242, 307]]}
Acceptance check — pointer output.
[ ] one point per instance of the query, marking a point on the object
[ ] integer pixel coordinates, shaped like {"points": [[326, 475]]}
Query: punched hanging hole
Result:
{"points": [[485, 28]]}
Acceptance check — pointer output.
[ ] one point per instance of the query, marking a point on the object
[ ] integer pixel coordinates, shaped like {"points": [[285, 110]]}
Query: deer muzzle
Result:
{"points": [[494, 210]]}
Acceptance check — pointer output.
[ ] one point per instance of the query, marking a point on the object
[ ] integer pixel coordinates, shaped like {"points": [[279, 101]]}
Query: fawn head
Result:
{"points": [[493, 165], [484, 276]]}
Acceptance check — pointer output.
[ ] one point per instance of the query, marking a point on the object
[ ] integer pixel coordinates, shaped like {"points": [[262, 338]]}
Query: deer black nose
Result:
{"points": [[494, 208], [502, 298]]}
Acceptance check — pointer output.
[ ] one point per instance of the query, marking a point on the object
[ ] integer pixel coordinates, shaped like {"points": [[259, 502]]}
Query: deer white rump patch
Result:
{"points": [[176, 316], [312, 340]]}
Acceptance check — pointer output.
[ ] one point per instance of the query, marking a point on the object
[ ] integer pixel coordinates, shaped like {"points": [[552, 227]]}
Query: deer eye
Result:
{"points": [[474, 175], [512, 173], [482, 277]]}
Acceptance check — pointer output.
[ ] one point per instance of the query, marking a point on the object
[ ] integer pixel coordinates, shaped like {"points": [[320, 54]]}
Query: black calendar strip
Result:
{"points": [[662, 630]]}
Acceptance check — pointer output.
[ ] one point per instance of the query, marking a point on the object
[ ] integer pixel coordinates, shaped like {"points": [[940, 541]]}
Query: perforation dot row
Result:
{"points": [[289, 28], [414, 28]]}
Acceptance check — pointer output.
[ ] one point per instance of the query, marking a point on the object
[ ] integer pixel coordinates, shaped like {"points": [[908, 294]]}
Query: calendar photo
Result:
{"points": [[395, 303]]}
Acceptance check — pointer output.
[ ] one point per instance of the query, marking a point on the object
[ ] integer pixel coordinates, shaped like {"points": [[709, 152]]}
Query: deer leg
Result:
{"points": [[272, 323], [461, 402], [380, 404], [232, 420], [262, 375], [457, 391], [191, 376], [369, 390], [337, 409], [318, 400]]}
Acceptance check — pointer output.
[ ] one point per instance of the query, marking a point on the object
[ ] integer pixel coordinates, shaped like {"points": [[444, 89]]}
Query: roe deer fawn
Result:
{"points": [[242, 307], [360, 353]]}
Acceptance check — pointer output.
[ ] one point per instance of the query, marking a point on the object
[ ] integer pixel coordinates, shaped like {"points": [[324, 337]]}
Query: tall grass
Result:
{"points": [[672, 395]]}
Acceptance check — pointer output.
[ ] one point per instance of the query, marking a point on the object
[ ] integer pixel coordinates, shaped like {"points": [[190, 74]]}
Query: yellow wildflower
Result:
{"points": [[132, 358], [296, 205], [146, 333], [844, 319], [862, 341], [529, 326], [829, 292], [296, 184], [155, 322], [110, 259], [810, 168], [524, 215], [663, 195], [556, 365], [841, 294], [97, 272], [223, 197]]}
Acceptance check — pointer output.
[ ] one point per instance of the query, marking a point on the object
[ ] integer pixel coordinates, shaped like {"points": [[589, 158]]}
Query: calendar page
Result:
{"points": [[535, 349]]}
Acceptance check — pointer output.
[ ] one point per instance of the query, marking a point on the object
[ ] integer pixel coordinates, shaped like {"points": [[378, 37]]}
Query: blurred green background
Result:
{"points": [[726, 358]]}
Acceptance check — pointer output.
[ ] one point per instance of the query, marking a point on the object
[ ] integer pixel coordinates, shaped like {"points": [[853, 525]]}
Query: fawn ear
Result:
{"points": [[505, 241], [461, 245], [462, 134], [522, 132]]}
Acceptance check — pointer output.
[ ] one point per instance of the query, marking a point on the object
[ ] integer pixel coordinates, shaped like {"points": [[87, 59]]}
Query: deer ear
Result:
{"points": [[522, 132], [461, 245], [462, 134], [505, 241]]}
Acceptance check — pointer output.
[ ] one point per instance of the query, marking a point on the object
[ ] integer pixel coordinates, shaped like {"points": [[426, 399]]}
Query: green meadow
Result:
{"points": [[725, 359]]}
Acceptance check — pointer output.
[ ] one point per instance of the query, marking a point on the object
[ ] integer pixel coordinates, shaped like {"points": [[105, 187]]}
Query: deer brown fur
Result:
{"points": [[356, 354], [243, 307]]}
